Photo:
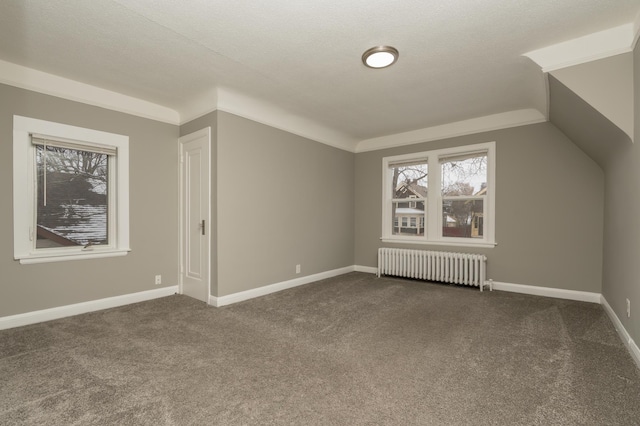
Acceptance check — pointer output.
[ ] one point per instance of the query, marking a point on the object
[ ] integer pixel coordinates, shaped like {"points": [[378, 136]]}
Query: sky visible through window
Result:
{"points": [[467, 176]]}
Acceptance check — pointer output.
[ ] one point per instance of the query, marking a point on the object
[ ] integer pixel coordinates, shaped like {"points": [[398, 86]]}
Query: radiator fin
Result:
{"points": [[447, 267]]}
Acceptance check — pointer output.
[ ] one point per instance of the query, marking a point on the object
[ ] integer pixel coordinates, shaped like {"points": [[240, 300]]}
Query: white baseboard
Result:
{"points": [[367, 269], [558, 293], [84, 307], [622, 332], [272, 288]]}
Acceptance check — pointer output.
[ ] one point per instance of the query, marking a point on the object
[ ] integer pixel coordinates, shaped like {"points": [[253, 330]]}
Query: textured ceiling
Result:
{"points": [[458, 59]]}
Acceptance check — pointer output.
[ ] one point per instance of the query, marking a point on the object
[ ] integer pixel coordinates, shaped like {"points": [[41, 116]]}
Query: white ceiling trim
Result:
{"points": [[216, 99], [487, 123], [244, 106], [592, 47], [49, 84], [266, 113], [202, 105]]}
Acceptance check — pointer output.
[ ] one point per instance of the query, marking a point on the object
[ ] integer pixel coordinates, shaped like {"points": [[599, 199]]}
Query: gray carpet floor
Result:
{"points": [[351, 350]]}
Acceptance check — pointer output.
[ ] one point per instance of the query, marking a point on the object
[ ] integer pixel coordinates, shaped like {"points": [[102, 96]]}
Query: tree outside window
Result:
{"points": [[464, 186], [409, 188], [443, 196]]}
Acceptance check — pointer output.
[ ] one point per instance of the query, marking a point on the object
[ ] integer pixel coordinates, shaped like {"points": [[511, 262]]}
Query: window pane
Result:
{"points": [[72, 197], [464, 175], [462, 218], [409, 181], [408, 220]]}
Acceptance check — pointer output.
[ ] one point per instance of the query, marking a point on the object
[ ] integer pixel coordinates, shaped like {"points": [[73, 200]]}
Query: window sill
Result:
{"points": [[484, 244], [62, 257]]}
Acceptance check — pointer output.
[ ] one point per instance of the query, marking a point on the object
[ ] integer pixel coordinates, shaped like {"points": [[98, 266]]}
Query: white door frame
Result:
{"points": [[206, 132]]}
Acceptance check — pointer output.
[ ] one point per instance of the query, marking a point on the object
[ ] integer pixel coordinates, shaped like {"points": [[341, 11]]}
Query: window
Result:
{"points": [[70, 192], [440, 197]]}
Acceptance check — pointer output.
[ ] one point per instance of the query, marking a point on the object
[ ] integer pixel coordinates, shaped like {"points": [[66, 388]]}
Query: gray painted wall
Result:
{"points": [[210, 120], [153, 211], [621, 268], [549, 208], [282, 200]]}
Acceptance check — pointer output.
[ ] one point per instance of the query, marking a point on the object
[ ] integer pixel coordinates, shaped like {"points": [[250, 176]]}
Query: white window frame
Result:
{"points": [[24, 192], [433, 201]]}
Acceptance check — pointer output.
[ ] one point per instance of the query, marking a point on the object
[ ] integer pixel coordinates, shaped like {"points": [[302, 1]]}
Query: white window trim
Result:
{"points": [[24, 199], [433, 234]]}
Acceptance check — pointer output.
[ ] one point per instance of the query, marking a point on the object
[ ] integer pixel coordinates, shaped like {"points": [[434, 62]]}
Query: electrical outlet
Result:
{"points": [[628, 308], [158, 279], [297, 269]]}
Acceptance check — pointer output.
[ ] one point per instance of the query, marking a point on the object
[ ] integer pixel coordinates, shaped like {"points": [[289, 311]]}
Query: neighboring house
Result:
{"points": [[464, 218], [409, 217]]}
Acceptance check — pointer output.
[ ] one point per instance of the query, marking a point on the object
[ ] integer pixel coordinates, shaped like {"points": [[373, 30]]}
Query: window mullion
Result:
{"points": [[434, 200], [489, 208], [463, 197], [33, 172], [387, 201]]}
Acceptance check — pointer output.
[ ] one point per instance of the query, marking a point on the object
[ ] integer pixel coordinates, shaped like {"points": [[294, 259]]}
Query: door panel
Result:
{"points": [[195, 214]]}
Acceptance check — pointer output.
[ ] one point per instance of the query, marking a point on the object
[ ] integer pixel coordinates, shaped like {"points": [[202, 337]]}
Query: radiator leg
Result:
{"points": [[489, 283]]}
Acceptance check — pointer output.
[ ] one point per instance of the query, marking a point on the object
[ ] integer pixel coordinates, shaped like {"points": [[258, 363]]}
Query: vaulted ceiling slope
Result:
{"points": [[587, 127], [296, 64], [606, 86]]}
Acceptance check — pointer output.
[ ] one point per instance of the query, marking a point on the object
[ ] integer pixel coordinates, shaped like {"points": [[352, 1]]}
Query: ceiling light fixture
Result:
{"points": [[380, 56]]}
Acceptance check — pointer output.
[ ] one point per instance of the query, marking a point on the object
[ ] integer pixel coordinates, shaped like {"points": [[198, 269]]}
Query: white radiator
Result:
{"points": [[456, 268]]}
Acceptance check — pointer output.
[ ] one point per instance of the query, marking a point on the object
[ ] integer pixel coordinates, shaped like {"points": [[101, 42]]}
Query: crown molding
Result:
{"points": [[591, 47], [273, 116], [487, 123], [49, 84], [200, 106]]}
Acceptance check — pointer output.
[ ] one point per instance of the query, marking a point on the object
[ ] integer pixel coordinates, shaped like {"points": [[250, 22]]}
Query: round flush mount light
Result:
{"points": [[380, 56]]}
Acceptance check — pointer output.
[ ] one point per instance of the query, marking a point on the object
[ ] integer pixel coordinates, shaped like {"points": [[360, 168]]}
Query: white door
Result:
{"points": [[195, 207]]}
